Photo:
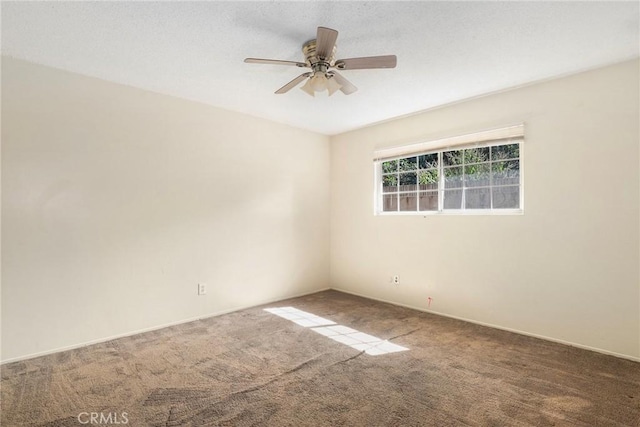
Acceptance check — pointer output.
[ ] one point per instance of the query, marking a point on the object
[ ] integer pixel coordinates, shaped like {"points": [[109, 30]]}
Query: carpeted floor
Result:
{"points": [[254, 368]]}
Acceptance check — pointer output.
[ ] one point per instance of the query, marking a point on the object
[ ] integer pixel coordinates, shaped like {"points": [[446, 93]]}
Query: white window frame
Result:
{"points": [[503, 136]]}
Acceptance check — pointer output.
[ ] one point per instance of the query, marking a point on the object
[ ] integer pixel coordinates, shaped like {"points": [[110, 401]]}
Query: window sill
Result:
{"points": [[470, 212]]}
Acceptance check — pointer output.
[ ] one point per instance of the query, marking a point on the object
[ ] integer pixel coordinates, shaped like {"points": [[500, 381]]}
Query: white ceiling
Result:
{"points": [[447, 51]]}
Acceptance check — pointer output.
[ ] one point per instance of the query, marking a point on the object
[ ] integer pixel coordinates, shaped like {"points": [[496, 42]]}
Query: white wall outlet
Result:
{"points": [[202, 289], [396, 280]]}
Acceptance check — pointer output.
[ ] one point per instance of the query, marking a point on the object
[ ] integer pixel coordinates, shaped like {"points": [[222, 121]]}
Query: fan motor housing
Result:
{"points": [[309, 51]]}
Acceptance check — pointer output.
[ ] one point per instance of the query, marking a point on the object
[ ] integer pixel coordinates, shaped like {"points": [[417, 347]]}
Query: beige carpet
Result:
{"points": [[253, 368]]}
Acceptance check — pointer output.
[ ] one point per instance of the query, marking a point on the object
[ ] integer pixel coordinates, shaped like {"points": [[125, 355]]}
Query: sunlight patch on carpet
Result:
{"points": [[371, 345], [299, 317]]}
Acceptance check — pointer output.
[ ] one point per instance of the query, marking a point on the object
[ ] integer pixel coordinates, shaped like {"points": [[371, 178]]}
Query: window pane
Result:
{"points": [[390, 166], [506, 197], [427, 161], [389, 202], [428, 179], [476, 155], [453, 177], [408, 181], [389, 183], [428, 200], [467, 177], [408, 201], [502, 152], [477, 175], [477, 198], [408, 164], [452, 158], [506, 173], [452, 199]]}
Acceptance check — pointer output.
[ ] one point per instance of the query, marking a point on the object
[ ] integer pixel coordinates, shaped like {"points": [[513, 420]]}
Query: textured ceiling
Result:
{"points": [[447, 51]]}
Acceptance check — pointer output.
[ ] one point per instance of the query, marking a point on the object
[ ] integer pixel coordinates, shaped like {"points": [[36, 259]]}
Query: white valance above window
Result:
{"points": [[488, 137]]}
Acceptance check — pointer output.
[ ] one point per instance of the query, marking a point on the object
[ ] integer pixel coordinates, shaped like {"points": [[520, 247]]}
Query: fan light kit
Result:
{"points": [[320, 58]]}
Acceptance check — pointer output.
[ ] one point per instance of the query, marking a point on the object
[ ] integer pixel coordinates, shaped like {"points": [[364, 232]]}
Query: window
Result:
{"points": [[483, 176]]}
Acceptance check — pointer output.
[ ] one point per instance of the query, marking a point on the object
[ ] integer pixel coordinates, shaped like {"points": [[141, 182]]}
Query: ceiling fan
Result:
{"points": [[319, 56]]}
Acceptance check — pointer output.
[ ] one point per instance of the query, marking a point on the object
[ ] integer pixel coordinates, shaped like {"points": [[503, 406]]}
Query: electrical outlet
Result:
{"points": [[396, 280], [202, 289]]}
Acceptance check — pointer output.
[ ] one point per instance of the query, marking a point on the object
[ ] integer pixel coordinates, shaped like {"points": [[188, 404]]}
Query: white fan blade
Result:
{"points": [[273, 62], [387, 61], [293, 83], [325, 41], [347, 88]]}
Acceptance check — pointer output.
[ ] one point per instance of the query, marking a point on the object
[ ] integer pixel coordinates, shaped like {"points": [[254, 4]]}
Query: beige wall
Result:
{"points": [[567, 269], [116, 202]]}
